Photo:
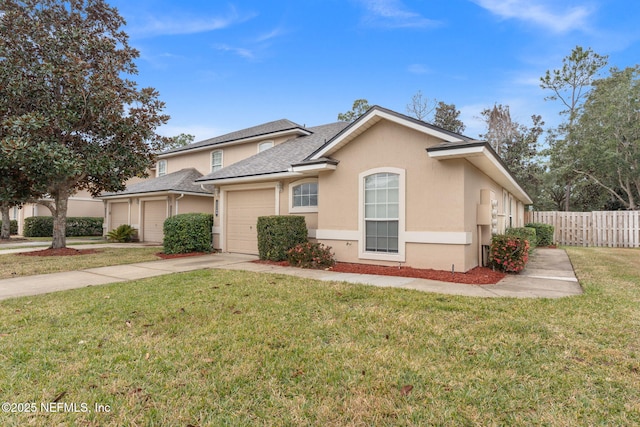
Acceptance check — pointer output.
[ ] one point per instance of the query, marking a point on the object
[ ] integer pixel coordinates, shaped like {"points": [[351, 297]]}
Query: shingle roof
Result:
{"points": [[180, 181], [259, 130], [282, 156]]}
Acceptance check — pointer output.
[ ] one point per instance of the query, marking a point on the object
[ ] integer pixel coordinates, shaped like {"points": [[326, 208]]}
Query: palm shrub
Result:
{"points": [[311, 255], [509, 253], [122, 234]]}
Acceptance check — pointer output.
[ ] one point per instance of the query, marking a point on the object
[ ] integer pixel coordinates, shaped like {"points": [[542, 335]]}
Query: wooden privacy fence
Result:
{"points": [[616, 229]]}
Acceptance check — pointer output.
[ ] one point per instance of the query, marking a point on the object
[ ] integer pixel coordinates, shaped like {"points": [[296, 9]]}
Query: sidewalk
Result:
{"points": [[548, 275]]}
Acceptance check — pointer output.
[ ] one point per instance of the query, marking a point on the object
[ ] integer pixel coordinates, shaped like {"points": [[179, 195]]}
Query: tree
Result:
{"points": [[517, 145], [448, 117], [360, 106], [420, 107], [178, 141], [83, 124], [608, 129], [570, 86]]}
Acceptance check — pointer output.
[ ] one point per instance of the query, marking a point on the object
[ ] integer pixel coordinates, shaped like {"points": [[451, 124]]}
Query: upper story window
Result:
{"points": [[303, 196], [263, 146], [162, 168], [216, 160]]}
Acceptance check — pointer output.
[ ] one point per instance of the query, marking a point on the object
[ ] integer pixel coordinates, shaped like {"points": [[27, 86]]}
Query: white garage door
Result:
{"points": [[119, 214], [243, 210], [155, 212]]}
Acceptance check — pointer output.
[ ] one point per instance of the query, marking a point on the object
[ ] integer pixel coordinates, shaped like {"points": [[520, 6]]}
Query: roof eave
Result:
{"points": [[249, 178], [484, 158]]}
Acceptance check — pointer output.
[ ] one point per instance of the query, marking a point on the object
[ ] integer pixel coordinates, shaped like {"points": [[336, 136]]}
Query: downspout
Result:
{"points": [[177, 204]]}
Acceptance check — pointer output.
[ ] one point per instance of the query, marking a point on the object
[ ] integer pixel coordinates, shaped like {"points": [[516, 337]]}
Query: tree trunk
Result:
{"points": [[59, 211], [5, 233]]}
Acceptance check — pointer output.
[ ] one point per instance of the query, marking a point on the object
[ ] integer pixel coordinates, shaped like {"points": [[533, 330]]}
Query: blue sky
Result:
{"points": [[221, 66]]}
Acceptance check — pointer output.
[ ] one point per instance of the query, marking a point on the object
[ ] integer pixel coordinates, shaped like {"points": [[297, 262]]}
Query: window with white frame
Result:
{"points": [[216, 160], [304, 196], [382, 212], [263, 146], [162, 168]]}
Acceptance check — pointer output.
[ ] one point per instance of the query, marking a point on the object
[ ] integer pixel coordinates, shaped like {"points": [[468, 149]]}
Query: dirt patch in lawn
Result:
{"points": [[60, 252], [171, 256], [475, 276]]}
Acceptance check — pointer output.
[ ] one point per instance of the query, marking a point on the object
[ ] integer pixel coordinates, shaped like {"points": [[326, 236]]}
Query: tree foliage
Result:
{"points": [[78, 122], [360, 106], [421, 107], [448, 117]]}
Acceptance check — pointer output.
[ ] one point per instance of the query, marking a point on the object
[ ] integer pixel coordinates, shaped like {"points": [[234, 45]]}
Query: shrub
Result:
{"points": [[544, 233], [279, 233], [122, 234], [13, 226], [509, 253], [189, 232], [42, 226], [311, 255], [528, 233]]}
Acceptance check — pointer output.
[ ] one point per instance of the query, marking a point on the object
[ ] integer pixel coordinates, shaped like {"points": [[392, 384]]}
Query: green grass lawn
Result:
{"points": [[12, 265], [213, 347]]}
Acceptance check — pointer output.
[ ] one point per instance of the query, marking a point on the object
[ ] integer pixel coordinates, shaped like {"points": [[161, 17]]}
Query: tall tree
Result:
{"points": [[178, 141], [517, 145], [84, 122], [608, 129], [360, 106], [421, 107], [570, 85], [448, 117]]}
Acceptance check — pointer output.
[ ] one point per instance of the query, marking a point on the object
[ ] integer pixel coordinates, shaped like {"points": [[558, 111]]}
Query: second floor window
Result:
{"points": [[162, 167], [216, 160]]}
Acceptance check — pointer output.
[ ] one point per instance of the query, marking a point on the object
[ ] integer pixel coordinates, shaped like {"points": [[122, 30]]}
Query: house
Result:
{"points": [[385, 189], [80, 204]]}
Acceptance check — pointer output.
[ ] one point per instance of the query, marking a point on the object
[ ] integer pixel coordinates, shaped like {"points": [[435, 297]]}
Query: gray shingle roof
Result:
{"points": [[282, 156], [263, 129], [180, 181]]}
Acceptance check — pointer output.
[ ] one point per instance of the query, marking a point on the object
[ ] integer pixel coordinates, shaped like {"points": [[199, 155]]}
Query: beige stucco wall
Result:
{"points": [[201, 160]]}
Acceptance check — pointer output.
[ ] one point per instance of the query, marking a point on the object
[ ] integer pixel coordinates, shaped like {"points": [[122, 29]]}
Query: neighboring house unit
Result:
{"points": [[385, 189], [80, 204]]}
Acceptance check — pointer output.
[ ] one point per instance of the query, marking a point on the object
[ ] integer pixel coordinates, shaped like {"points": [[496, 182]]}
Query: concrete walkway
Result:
{"points": [[548, 275]]}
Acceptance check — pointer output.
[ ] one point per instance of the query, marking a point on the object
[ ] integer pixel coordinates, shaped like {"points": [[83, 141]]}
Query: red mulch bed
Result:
{"points": [[475, 276], [171, 256], [60, 252]]}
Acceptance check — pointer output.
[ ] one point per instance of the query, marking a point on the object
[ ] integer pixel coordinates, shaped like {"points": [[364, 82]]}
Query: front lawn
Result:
{"points": [[13, 265], [216, 347]]}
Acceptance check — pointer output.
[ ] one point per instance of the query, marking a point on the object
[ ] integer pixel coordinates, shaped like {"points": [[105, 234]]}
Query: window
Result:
{"points": [[382, 212], [162, 167], [303, 196], [263, 146], [216, 160]]}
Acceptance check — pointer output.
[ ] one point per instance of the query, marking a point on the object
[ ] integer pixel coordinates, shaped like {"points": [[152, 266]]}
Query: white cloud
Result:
{"points": [[394, 14], [419, 69], [546, 14], [240, 51], [185, 23]]}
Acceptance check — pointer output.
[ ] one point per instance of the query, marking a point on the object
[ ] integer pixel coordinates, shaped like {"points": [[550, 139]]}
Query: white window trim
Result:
{"points": [[260, 144], [362, 253], [211, 159], [158, 172], [301, 209]]}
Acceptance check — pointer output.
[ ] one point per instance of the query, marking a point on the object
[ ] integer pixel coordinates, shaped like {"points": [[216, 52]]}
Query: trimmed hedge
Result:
{"points": [[544, 233], [528, 233], [279, 233], [13, 226], [190, 232], [42, 226]]}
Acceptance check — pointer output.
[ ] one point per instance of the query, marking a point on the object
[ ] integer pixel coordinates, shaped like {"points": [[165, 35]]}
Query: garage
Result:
{"points": [[119, 214], [243, 210], [155, 212]]}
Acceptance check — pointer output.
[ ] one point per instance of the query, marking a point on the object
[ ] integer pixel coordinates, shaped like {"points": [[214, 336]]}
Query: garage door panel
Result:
{"points": [[243, 210], [155, 212]]}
